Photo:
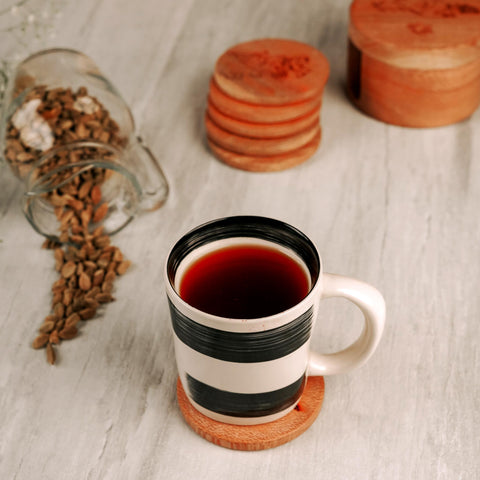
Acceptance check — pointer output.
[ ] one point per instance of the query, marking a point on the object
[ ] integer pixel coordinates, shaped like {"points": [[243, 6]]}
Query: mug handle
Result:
{"points": [[370, 301]]}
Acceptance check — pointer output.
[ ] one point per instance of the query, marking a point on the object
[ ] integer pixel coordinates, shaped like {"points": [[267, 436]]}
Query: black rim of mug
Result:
{"points": [[264, 228]]}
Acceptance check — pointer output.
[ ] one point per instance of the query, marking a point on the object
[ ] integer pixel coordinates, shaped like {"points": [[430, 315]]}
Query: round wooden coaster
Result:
{"points": [[257, 437], [271, 163], [415, 64], [259, 146], [272, 71], [262, 130], [260, 113]]}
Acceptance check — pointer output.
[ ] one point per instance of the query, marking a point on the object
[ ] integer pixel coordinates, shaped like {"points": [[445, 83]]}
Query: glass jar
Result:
{"points": [[67, 133]]}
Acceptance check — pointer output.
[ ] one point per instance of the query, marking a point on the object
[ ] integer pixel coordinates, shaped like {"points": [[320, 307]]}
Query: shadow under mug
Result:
{"points": [[253, 371]]}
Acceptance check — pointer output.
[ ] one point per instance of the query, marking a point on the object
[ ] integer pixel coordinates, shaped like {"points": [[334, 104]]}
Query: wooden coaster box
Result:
{"points": [[415, 63]]}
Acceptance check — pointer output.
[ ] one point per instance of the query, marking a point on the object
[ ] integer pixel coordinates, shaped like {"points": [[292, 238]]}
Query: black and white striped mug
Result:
{"points": [[245, 360]]}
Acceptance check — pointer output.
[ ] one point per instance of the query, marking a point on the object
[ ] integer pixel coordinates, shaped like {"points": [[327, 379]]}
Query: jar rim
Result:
{"points": [[33, 183]]}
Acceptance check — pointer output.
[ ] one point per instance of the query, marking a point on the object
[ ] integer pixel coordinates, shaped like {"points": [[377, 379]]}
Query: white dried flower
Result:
{"points": [[34, 130], [86, 105]]}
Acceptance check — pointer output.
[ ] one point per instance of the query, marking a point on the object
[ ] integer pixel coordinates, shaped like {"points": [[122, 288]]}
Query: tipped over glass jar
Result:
{"points": [[67, 133]]}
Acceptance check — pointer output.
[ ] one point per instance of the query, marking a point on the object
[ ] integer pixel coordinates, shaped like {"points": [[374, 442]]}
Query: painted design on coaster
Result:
{"points": [[420, 28], [263, 64], [245, 404], [261, 129], [432, 8], [272, 71], [261, 346]]}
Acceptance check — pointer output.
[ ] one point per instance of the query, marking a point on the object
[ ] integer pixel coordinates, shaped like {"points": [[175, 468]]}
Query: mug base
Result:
{"points": [[257, 437]]}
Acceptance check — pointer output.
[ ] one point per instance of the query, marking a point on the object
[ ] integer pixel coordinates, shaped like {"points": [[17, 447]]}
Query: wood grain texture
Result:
{"points": [[259, 146], [414, 97], [260, 113], [267, 162], [415, 64], [417, 34], [393, 206], [262, 130]]}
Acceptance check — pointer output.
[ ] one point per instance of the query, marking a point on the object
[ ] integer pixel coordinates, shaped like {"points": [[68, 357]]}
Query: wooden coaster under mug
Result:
{"points": [[257, 437], [271, 163]]}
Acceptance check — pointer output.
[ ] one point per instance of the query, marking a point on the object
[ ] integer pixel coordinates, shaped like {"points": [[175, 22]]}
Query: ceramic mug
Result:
{"points": [[253, 370]]}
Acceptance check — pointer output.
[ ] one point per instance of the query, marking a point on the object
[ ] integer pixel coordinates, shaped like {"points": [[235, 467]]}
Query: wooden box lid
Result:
{"points": [[418, 34], [415, 63]]}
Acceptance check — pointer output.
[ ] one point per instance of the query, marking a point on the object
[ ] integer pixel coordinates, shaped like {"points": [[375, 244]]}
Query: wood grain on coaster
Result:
{"points": [[262, 130], [272, 71], [259, 146], [260, 113], [257, 437], [270, 163]]}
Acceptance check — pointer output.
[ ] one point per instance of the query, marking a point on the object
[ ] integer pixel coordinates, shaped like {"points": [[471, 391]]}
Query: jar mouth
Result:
{"points": [[47, 189], [38, 184], [55, 50]]}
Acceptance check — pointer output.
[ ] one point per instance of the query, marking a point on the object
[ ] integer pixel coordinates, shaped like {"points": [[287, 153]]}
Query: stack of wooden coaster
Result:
{"points": [[264, 104]]}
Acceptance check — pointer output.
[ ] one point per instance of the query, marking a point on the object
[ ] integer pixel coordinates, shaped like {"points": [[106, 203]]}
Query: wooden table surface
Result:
{"points": [[396, 207]]}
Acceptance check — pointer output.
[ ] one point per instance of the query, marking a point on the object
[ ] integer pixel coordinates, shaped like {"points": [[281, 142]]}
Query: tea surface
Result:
{"points": [[244, 282]]}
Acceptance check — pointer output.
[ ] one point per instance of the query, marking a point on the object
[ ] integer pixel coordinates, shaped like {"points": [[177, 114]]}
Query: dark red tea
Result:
{"points": [[244, 281]]}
